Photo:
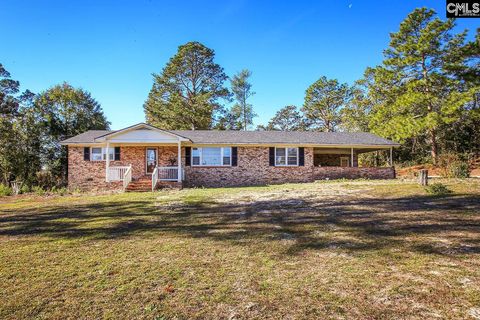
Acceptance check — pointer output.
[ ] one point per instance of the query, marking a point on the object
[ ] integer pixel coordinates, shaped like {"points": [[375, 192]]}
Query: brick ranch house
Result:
{"points": [[143, 157]]}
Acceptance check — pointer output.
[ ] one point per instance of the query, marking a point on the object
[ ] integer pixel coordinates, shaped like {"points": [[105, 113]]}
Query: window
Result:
{"points": [[286, 156], [344, 162], [195, 156], [226, 158], [100, 154], [96, 154], [212, 156], [292, 156], [111, 153]]}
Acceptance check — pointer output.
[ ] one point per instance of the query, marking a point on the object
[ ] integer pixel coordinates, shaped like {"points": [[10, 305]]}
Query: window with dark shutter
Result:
{"points": [[301, 156], [86, 153], [117, 153], [234, 156], [188, 151], [271, 156]]}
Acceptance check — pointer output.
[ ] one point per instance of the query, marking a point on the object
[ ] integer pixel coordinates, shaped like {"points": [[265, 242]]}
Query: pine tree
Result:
{"points": [[287, 118], [242, 90], [323, 103], [416, 90], [186, 94]]}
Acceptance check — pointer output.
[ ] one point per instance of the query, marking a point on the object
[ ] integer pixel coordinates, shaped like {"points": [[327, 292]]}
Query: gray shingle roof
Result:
{"points": [[287, 137], [86, 137], [259, 137]]}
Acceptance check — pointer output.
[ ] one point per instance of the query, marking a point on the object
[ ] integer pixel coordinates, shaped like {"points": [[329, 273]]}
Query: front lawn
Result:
{"points": [[357, 250]]}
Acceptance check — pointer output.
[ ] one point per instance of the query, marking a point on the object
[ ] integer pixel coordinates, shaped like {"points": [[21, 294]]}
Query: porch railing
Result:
{"points": [[127, 177], [154, 178], [117, 173], [167, 173]]}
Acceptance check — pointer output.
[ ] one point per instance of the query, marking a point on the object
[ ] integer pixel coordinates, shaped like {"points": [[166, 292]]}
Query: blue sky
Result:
{"points": [[111, 48]]}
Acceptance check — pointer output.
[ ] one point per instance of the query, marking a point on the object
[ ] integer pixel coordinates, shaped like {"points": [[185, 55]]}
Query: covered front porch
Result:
{"points": [[158, 165], [143, 156]]}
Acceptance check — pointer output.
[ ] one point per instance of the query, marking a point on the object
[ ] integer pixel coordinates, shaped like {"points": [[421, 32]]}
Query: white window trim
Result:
{"points": [[200, 149], [286, 157], [102, 154]]}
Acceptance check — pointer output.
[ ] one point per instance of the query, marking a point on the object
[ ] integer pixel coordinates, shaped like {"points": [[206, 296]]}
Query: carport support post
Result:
{"points": [[107, 164], [179, 163], [391, 156], [351, 161]]}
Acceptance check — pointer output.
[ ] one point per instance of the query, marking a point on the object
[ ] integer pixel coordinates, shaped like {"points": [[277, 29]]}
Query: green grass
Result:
{"points": [[339, 249]]}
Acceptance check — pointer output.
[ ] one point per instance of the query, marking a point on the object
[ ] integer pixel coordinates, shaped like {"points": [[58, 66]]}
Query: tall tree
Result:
{"points": [[242, 90], [287, 118], [9, 106], [323, 103], [187, 94], [228, 119], [19, 132], [356, 113], [417, 81], [66, 111]]}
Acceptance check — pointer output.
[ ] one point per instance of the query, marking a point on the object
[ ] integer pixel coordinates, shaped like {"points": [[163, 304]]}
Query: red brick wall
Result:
{"points": [[253, 169], [86, 175]]}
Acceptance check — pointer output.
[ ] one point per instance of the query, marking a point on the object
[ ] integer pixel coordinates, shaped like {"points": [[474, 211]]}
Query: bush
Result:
{"points": [[459, 169], [60, 191], [5, 190], [25, 189], [438, 189], [46, 180], [38, 190], [451, 166]]}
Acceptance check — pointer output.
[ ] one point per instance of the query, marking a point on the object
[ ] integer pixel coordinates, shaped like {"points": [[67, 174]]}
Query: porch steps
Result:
{"points": [[142, 184]]}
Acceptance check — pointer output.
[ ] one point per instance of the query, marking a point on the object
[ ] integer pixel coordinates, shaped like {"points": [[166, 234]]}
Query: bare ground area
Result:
{"points": [[331, 250]]}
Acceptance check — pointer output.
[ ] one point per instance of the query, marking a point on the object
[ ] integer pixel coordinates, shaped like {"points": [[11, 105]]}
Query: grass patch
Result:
{"points": [[339, 249]]}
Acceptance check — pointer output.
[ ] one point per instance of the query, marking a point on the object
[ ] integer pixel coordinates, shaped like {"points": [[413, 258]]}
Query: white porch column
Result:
{"points": [[351, 161], [107, 164], [391, 156], [179, 163]]}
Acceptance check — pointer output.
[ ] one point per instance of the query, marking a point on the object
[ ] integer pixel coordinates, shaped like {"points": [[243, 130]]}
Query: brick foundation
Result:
{"points": [[320, 173]]}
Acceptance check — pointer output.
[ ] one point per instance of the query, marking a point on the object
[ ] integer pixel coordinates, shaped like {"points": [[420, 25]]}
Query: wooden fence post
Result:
{"points": [[423, 177]]}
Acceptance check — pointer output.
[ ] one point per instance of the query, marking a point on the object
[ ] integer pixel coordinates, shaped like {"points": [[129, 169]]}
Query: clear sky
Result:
{"points": [[111, 48]]}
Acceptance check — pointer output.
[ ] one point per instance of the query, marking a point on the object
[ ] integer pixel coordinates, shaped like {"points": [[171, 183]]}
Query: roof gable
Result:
{"points": [[141, 133]]}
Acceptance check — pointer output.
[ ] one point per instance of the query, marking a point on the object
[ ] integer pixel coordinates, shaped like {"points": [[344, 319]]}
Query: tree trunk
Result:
{"points": [[433, 142], [433, 137], [423, 177]]}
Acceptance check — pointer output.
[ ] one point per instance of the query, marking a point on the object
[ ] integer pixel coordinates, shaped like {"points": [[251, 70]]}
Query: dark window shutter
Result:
{"points": [[234, 156], [188, 152], [86, 153], [271, 157], [301, 156], [117, 154]]}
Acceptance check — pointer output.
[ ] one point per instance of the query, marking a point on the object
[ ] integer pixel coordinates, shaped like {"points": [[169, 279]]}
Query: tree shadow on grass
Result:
{"points": [[303, 223]]}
